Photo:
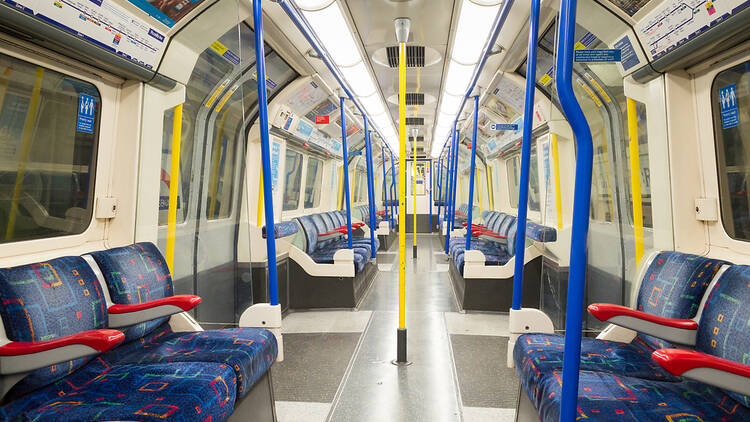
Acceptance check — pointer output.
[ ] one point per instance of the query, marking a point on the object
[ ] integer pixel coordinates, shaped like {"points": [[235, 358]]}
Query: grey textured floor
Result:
{"points": [[483, 376], [313, 366]]}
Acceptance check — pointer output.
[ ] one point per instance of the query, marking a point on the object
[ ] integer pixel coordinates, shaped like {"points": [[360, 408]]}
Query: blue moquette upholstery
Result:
{"points": [[99, 391], [249, 351], [673, 285], [135, 273], [47, 300], [283, 229]]}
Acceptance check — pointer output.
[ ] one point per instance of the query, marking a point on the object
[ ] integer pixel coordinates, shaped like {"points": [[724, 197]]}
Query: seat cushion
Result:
{"points": [[188, 391], [608, 397], [538, 356], [135, 274], [250, 352]]}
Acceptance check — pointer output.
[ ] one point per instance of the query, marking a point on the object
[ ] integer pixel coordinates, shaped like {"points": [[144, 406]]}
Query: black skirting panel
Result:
{"points": [[387, 241], [309, 292], [260, 282], [496, 294]]}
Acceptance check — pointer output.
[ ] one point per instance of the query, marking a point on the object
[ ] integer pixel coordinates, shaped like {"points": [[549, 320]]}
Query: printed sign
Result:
{"points": [[503, 126], [628, 57], [322, 120], [599, 55], [168, 12], [275, 157], [730, 116], [86, 112]]}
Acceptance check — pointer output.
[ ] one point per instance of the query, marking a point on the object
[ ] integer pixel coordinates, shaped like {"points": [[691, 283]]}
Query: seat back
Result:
{"points": [[723, 327], [673, 286], [311, 233], [47, 300], [134, 274]]}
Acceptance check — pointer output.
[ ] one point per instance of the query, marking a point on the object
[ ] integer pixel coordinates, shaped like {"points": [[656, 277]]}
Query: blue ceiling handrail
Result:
{"points": [[304, 27], [523, 186], [498, 25], [581, 208]]}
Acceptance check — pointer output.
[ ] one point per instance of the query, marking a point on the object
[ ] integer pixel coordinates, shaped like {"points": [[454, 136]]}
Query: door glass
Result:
{"points": [[313, 181], [292, 180]]}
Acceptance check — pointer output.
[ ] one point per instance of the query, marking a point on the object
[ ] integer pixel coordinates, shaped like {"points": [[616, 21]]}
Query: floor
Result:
{"points": [[338, 366]]}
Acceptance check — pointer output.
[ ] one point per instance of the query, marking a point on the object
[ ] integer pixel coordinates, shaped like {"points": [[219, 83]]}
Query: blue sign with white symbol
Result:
{"points": [[598, 55], [730, 115], [86, 112], [503, 126]]}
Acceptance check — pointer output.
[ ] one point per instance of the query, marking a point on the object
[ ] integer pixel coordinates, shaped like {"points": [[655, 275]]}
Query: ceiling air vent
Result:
{"points": [[414, 56], [415, 121], [414, 98], [419, 139]]}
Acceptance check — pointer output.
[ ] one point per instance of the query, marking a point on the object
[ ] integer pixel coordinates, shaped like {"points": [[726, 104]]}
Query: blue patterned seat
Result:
{"points": [[62, 297], [186, 392], [137, 274], [672, 286]]}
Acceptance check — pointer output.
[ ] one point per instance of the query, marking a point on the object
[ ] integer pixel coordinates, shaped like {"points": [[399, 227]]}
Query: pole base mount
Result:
{"points": [[401, 348], [414, 251]]}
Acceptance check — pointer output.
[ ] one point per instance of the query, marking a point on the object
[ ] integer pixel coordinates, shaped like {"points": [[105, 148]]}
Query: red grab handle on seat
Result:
{"points": [[382, 212], [679, 361], [101, 340], [605, 311], [340, 230], [185, 302]]}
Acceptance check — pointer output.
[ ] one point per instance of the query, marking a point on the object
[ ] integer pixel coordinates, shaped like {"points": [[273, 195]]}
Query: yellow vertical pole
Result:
{"points": [[28, 129], [635, 179], [558, 193], [259, 221], [414, 195], [402, 186], [341, 187], [490, 187], [479, 190], [174, 182]]}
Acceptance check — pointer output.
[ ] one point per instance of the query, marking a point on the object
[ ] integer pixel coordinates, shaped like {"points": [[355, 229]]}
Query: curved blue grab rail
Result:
{"points": [[523, 188], [393, 190], [470, 212], [265, 152], [346, 175], [439, 185], [581, 209], [385, 188], [370, 188], [449, 209]]}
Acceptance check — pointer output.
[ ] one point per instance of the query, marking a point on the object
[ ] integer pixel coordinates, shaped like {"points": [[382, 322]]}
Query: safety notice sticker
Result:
{"points": [[86, 110], [730, 116]]}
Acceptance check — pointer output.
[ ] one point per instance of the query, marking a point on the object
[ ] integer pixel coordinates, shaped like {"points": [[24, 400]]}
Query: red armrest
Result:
{"points": [[357, 225], [340, 230], [488, 233], [100, 340], [679, 361], [605, 311], [380, 212], [184, 302]]}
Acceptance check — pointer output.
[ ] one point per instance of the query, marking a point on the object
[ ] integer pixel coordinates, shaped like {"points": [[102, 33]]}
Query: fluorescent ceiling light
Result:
{"points": [[373, 105], [331, 28], [313, 4], [359, 79], [474, 25], [450, 103], [458, 77]]}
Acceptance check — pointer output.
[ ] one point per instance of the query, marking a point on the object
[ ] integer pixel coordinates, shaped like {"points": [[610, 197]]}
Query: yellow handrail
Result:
{"points": [[28, 129], [174, 182], [635, 179], [402, 185], [558, 192], [479, 190], [490, 187], [259, 222], [414, 190]]}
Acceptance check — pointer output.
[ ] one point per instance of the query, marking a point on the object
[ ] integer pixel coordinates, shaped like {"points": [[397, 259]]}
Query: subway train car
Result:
{"points": [[375, 210]]}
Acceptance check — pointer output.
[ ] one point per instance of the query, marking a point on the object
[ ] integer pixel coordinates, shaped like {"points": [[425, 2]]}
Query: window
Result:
{"points": [[513, 165], [49, 124], [293, 180], [730, 100], [313, 182]]}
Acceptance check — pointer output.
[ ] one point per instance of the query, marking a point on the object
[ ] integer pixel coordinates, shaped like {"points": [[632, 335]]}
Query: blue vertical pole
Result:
{"points": [[581, 208], [346, 175], [440, 186], [448, 208], [393, 188], [432, 178], [370, 188], [456, 142], [385, 188], [265, 153], [446, 195], [523, 188], [471, 172]]}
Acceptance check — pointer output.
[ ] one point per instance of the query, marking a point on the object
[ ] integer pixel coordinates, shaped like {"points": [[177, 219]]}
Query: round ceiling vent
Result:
{"points": [[413, 98], [416, 56]]}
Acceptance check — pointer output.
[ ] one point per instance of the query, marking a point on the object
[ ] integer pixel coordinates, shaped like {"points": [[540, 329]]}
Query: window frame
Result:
{"points": [[24, 251]]}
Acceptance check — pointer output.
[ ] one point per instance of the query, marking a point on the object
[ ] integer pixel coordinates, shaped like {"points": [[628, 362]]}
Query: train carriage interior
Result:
{"points": [[375, 210]]}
